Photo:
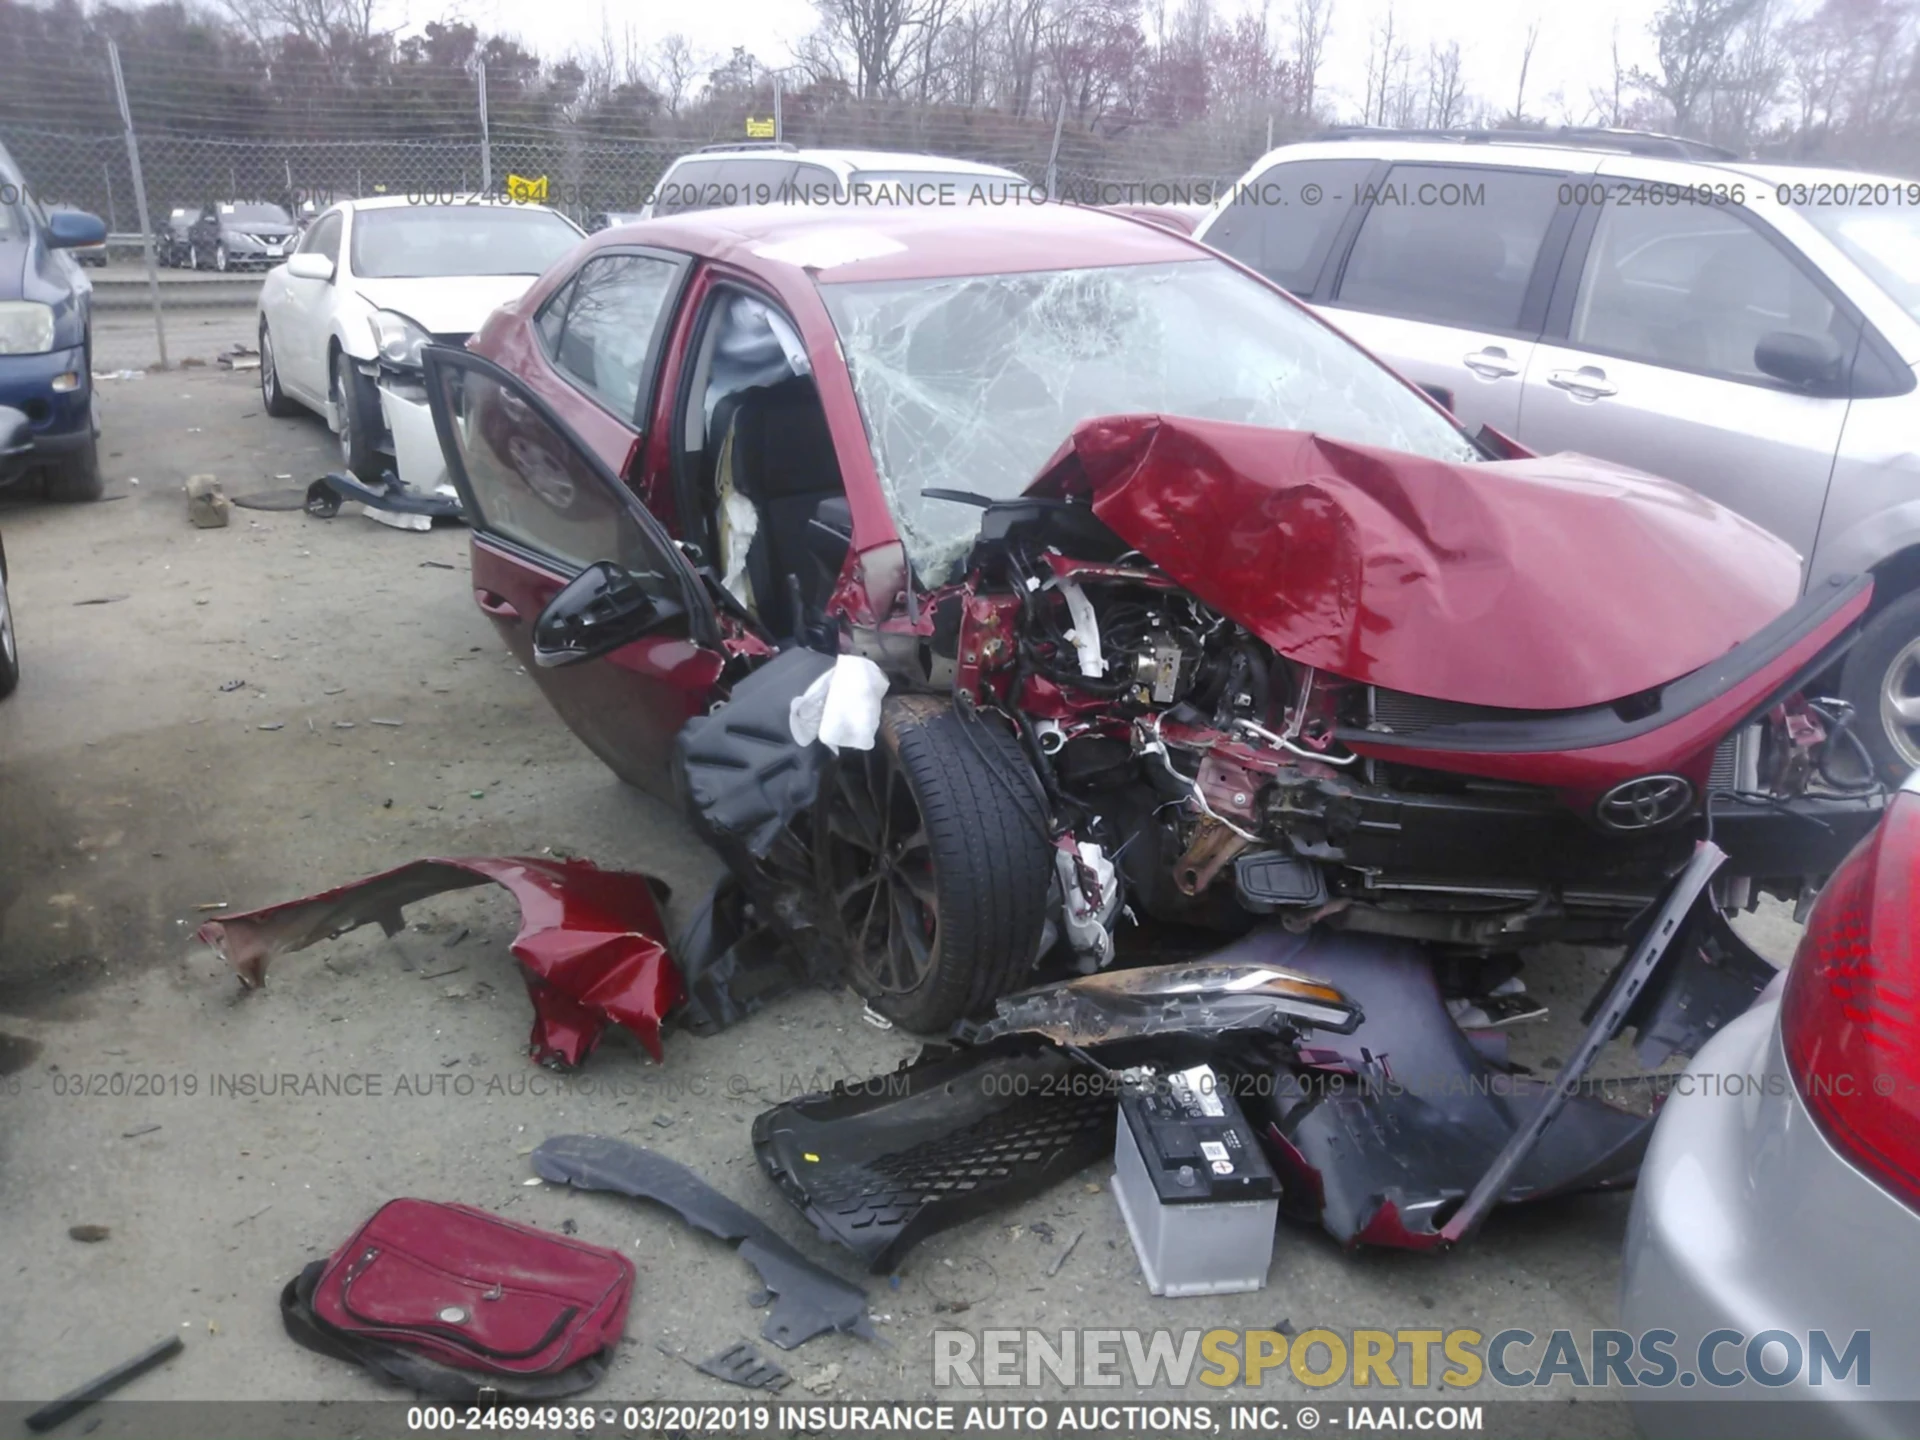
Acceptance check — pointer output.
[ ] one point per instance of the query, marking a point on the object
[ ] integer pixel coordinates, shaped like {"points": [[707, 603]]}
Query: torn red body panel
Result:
{"points": [[590, 945], [1541, 584]]}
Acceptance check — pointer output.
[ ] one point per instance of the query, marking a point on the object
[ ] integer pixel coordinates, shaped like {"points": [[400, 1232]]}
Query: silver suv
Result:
{"points": [[1750, 330]]}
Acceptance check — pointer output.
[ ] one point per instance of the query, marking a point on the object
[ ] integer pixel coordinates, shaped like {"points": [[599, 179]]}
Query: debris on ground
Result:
{"points": [[590, 942], [239, 357], [822, 1380], [877, 1167], [1061, 1258], [89, 1234], [102, 600], [391, 502], [207, 506], [459, 1304], [286, 499], [738, 1364], [101, 1386], [807, 1300], [1199, 1199]]}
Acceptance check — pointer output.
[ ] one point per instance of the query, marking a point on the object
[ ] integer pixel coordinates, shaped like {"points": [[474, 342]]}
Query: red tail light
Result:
{"points": [[1850, 1014]]}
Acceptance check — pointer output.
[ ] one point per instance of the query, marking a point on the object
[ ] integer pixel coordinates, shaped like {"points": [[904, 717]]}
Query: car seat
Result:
{"points": [[777, 455]]}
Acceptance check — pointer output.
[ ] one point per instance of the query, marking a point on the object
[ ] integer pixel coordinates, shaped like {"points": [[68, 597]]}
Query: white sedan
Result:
{"points": [[342, 323]]}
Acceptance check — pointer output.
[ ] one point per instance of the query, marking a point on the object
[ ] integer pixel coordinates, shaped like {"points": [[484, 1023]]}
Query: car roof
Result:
{"points": [[909, 242], [856, 159]]}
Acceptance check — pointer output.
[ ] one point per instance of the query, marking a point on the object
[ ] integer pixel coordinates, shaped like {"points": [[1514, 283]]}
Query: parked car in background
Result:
{"points": [[1781, 1189], [16, 451], [605, 219], [342, 322], [239, 235], [94, 255], [46, 336], [173, 237], [1749, 330], [1260, 626], [762, 173]]}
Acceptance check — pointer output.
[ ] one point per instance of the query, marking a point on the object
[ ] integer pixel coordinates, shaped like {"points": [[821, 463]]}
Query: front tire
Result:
{"points": [[75, 478], [1882, 683], [355, 404], [9, 648], [220, 261], [932, 848], [273, 399]]}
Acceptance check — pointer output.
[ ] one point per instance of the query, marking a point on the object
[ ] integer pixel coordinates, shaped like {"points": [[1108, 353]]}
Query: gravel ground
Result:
{"points": [[138, 790]]}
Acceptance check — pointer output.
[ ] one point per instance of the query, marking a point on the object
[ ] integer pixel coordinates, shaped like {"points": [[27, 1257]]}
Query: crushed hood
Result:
{"points": [[445, 304], [1542, 584]]}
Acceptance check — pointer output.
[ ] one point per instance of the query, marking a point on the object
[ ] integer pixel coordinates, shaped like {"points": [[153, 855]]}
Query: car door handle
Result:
{"points": [[1490, 364], [1589, 382], [498, 606]]}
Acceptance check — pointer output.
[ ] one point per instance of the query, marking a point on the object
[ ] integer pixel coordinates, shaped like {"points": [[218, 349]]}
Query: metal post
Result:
{"points": [[140, 200], [486, 143], [1269, 132], [106, 174], [1053, 155], [779, 130]]}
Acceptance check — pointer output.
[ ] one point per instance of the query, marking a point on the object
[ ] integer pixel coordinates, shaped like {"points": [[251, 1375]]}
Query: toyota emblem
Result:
{"points": [[1645, 803]]}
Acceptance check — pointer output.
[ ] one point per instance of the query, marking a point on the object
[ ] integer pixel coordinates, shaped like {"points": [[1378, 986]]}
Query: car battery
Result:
{"points": [[1199, 1199]]}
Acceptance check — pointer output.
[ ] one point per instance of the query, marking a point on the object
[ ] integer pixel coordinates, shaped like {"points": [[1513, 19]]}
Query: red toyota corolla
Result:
{"points": [[1185, 606]]}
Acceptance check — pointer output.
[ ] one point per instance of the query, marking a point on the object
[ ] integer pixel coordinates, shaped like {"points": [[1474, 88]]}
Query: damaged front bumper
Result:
{"points": [[591, 943]]}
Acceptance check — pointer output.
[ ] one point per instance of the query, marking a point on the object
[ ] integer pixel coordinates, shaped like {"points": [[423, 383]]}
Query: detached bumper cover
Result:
{"points": [[417, 458], [591, 945]]}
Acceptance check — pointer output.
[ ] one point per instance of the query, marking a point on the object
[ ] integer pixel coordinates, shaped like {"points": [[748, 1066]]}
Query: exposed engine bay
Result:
{"points": [[1200, 777]]}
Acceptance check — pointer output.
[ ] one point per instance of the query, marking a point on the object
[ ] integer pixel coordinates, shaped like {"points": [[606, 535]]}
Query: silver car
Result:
{"points": [[1777, 1218], [1749, 330]]}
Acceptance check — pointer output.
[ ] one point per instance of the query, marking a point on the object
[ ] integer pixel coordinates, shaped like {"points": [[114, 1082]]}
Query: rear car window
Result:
{"points": [[1454, 244], [1283, 222]]}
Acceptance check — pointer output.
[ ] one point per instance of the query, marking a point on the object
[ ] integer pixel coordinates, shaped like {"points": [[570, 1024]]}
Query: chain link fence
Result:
{"points": [[598, 164]]}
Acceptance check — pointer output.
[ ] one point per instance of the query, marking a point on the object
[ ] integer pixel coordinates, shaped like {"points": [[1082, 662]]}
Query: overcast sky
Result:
{"points": [[1572, 55]]}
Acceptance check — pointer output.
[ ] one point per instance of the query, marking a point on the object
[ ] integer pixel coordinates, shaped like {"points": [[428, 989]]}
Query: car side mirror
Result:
{"points": [[67, 229], [601, 609], [1799, 358], [309, 265], [16, 432]]}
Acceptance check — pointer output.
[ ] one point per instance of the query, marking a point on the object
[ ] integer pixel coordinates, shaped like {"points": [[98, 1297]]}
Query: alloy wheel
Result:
{"points": [[1900, 702], [220, 257], [879, 864], [268, 380]]}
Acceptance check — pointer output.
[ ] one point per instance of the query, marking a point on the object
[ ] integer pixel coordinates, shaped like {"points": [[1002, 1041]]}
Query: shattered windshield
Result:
{"points": [[971, 382]]}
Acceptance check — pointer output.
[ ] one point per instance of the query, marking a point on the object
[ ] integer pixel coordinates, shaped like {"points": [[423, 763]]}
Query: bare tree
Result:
{"points": [[1609, 101], [1519, 115], [673, 69], [1752, 76], [1312, 19], [882, 39], [336, 28], [1446, 92], [1386, 59], [1690, 41]]}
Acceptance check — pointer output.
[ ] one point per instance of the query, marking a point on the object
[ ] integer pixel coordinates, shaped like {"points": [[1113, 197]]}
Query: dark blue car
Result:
{"points": [[46, 312]]}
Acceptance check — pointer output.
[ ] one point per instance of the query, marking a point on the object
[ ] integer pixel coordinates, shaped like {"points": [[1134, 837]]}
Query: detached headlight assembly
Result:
{"points": [[26, 327], [398, 338]]}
